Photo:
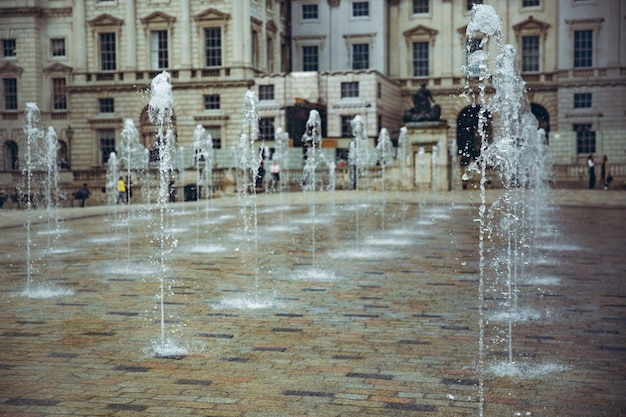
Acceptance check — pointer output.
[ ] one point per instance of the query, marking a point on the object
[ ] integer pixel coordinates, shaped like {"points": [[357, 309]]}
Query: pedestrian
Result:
{"points": [[605, 173], [121, 191], [260, 175], [82, 194], [592, 172], [275, 171]]}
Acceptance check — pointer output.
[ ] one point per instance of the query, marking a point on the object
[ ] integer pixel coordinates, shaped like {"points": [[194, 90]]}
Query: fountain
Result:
{"points": [[203, 162], [384, 147], [39, 157], [504, 226], [160, 111]]}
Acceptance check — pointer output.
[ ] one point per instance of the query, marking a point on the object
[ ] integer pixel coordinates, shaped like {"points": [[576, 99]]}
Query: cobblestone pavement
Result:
{"points": [[357, 305]]}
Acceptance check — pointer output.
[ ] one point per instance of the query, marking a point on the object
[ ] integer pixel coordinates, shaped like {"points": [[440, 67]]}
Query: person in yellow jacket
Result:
{"points": [[121, 191]]}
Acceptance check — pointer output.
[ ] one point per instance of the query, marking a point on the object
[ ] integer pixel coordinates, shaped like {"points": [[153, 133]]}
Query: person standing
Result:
{"points": [[275, 171], [605, 173], [121, 191], [83, 194], [592, 172]]}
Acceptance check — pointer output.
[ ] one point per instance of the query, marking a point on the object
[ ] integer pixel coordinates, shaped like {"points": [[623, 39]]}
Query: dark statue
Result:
{"points": [[422, 110]]}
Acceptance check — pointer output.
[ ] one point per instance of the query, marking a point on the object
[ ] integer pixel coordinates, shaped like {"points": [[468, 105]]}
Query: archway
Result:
{"points": [[468, 138], [543, 117]]}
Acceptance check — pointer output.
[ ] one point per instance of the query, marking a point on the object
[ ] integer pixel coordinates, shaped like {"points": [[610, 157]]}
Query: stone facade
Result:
{"points": [[384, 49]]}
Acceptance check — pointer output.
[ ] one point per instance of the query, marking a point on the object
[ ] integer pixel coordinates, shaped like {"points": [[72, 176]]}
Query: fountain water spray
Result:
{"points": [[358, 157], [384, 147], [203, 161], [160, 112], [33, 137], [507, 155]]}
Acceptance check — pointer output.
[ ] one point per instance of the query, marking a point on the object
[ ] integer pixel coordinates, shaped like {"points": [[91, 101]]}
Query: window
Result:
{"points": [[270, 54], [212, 102], [213, 47], [57, 47], [266, 128], [309, 12], [470, 4], [10, 93], [255, 49], [349, 89], [107, 144], [266, 92], [360, 9], [360, 56], [11, 156], [59, 98], [531, 3], [216, 135], [158, 50], [310, 58], [582, 101], [585, 138], [583, 52], [420, 59], [107, 52], [420, 6], [8, 48], [346, 126], [530, 54], [106, 105], [472, 69]]}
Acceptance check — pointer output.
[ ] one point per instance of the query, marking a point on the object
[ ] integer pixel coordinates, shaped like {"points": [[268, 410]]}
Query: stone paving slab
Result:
{"points": [[385, 325]]}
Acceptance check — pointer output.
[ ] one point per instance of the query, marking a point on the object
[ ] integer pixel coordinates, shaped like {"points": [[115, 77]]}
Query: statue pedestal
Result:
{"points": [[431, 167]]}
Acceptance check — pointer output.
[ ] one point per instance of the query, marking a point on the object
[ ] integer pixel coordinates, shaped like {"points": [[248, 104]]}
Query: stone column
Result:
{"points": [[79, 24], [131, 36], [185, 35]]}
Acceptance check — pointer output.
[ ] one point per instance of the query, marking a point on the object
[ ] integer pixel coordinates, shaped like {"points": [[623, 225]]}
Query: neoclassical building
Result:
{"points": [[88, 66]]}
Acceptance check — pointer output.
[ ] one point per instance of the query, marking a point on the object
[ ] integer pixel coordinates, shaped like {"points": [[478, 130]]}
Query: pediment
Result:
{"points": [[106, 19], [420, 30], [212, 14], [158, 17], [271, 26], [531, 24], [57, 67], [9, 68]]}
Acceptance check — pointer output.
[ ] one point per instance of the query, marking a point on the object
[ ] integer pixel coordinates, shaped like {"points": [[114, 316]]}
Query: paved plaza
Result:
{"points": [[310, 304]]}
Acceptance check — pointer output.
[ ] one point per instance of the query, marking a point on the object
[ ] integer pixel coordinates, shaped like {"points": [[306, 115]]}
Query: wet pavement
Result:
{"points": [[335, 304]]}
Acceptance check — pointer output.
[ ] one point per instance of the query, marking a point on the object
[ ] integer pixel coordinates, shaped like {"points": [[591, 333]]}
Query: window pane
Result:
{"points": [[158, 49], [309, 11], [583, 52], [213, 47], [266, 128], [107, 143], [57, 47], [420, 6], [59, 99], [216, 135], [349, 89], [266, 92], [107, 52], [531, 3], [360, 8], [360, 56], [471, 3], [10, 93], [582, 101], [8, 48], [530, 54], [309, 58], [106, 105], [346, 126], [420, 59], [212, 102], [586, 138]]}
